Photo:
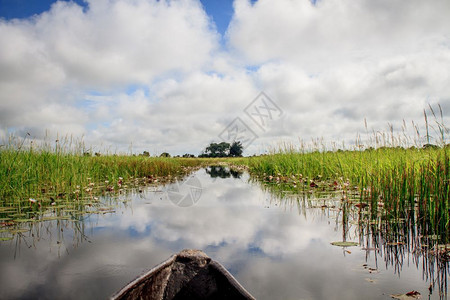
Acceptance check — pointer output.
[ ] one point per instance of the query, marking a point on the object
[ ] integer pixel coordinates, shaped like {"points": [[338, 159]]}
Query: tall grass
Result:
{"points": [[397, 178], [34, 170]]}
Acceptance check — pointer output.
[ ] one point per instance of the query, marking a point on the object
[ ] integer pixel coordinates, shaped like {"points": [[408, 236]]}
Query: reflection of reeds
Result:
{"points": [[398, 240], [391, 233], [52, 224]]}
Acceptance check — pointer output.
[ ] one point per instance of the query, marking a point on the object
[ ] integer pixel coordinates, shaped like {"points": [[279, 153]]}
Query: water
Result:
{"points": [[276, 248]]}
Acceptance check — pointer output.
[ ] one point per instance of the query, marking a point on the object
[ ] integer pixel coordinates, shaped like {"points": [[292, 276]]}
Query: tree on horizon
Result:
{"points": [[223, 149], [236, 149]]}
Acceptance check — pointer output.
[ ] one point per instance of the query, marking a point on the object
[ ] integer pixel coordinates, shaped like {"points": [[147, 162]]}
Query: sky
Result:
{"points": [[127, 76]]}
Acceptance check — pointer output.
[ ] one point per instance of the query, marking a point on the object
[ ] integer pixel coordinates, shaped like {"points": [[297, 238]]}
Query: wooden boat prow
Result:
{"points": [[190, 274]]}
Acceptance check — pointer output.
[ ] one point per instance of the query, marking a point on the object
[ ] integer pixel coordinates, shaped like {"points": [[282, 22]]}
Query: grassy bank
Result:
{"points": [[399, 180], [26, 173]]}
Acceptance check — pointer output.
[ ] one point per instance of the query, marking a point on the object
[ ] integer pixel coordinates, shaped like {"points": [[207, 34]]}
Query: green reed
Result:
{"points": [[33, 171], [398, 179]]}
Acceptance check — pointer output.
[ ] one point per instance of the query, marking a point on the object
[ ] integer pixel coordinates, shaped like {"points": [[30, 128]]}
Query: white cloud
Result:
{"points": [[153, 73], [121, 42], [57, 58], [331, 33]]}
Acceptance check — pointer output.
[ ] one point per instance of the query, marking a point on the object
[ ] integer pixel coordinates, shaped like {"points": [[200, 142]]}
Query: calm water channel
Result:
{"points": [[277, 248]]}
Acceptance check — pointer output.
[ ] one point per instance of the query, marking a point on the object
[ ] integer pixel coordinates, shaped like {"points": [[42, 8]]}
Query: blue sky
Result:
{"points": [[162, 76], [10, 9], [220, 10]]}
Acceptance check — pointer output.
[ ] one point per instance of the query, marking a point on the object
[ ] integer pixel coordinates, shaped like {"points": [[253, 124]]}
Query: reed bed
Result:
{"points": [[396, 179], [31, 171]]}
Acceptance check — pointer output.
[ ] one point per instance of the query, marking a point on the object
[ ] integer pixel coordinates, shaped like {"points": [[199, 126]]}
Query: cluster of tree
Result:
{"points": [[164, 154], [223, 150], [89, 154], [145, 153]]}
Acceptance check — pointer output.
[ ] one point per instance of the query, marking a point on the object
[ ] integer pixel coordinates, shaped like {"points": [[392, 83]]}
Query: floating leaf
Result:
{"points": [[407, 296], [59, 206], [23, 220], [17, 215], [103, 211], [55, 218], [5, 238], [345, 244], [21, 230]]}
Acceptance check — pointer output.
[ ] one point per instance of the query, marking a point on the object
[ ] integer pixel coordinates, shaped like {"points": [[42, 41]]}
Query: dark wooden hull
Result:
{"points": [[190, 274]]}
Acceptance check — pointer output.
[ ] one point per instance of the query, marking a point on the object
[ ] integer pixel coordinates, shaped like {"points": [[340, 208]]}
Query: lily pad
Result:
{"points": [[345, 244], [21, 230], [52, 218], [371, 280], [408, 296]]}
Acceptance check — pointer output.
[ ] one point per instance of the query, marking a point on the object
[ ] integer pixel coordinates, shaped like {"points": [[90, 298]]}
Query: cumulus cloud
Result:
{"points": [[333, 64], [121, 42], [332, 32], [60, 57], [153, 74]]}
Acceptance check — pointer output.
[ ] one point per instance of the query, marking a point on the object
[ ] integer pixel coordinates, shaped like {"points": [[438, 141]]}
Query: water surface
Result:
{"points": [[277, 248]]}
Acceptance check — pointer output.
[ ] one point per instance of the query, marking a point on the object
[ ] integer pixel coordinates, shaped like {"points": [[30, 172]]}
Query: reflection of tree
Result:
{"points": [[222, 172]]}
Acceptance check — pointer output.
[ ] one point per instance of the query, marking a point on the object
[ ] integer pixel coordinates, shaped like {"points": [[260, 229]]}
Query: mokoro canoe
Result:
{"points": [[190, 274]]}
